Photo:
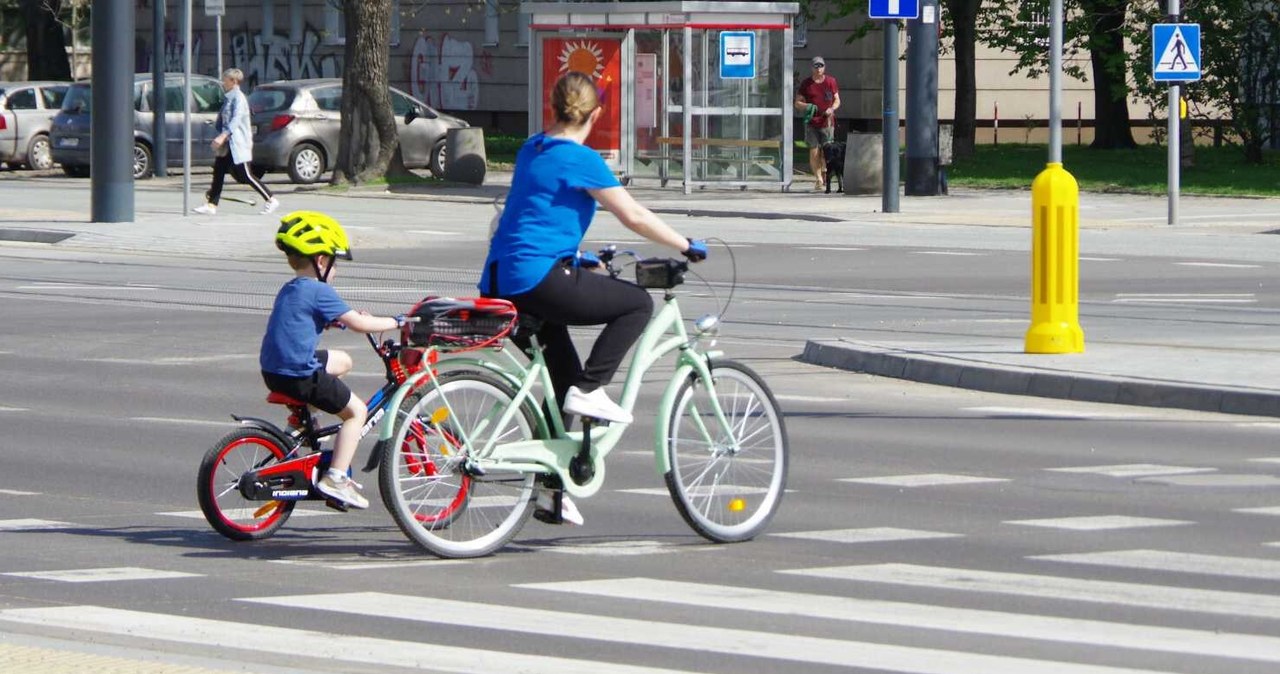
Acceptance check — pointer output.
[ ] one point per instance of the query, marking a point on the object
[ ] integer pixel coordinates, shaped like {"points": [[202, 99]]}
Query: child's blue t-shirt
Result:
{"points": [[303, 307], [547, 213]]}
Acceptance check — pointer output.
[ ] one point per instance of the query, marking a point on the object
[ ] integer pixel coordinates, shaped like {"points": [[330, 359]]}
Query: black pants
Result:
{"points": [[243, 174], [573, 296]]}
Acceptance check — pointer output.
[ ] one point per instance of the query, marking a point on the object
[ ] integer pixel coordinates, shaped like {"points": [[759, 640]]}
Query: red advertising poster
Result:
{"points": [[600, 58]]}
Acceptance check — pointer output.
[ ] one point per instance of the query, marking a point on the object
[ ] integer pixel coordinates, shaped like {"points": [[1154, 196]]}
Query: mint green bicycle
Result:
{"points": [[471, 445]]}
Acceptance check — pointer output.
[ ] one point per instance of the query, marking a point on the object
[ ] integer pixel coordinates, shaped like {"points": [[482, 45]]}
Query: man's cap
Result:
{"points": [[817, 61]]}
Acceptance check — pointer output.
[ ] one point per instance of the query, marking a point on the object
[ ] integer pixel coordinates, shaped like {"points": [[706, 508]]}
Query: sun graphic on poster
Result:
{"points": [[583, 57]]}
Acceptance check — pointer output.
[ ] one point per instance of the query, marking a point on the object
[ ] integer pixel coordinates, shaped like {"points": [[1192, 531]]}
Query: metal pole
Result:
{"points": [[922, 102], [158, 154], [889, 190], [217, 25], [111, 125], [1055, 82], [1175, 135], [186, 109]]}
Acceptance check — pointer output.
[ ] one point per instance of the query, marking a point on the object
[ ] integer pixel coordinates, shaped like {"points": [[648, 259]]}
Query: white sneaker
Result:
{"points": [[595, 405], [207, 209], [338, 486], [546, 508], [271, 206]]}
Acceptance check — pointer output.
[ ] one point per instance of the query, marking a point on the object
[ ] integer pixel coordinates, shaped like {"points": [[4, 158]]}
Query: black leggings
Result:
{"points": [[570, 295], [243, 174]]}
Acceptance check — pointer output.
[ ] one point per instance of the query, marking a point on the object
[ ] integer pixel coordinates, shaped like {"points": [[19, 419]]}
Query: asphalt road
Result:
{"points": [[925, 530]]}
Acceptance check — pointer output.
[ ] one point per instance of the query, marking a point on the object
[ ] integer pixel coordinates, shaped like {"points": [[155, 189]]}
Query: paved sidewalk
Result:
{"points": [[1198, 373]]}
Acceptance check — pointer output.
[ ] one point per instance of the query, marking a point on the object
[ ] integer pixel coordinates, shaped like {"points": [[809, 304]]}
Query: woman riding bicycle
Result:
{"points": [[533, 256]]}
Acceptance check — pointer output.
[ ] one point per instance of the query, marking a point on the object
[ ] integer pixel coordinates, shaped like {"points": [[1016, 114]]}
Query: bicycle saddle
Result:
{"points": [[282, 399]]}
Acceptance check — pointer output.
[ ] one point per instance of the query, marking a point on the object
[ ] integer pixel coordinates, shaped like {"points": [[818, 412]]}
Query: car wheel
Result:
{"points": [[141, 160], [76, 170], [39, 157], [436, 162], [306, 163]]}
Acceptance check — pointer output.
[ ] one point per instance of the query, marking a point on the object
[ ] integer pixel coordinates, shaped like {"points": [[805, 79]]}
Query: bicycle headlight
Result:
{"points": [[707, 324]]}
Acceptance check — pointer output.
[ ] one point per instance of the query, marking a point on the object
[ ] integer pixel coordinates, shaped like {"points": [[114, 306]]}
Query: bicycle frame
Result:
{"points": [[664, 333]]}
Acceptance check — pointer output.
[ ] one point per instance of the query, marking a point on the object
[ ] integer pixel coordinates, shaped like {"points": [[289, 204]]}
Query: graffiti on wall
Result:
{"points": [[445, 72], [174, 46], [280, 58]]}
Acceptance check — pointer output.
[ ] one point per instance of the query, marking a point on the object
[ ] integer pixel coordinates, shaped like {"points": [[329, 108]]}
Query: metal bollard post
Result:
{"points": [[1055, 263]]}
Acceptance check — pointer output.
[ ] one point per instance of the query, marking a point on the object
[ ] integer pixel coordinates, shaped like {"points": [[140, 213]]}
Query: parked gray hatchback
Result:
{"points": [[26, 113], [297, 124]]}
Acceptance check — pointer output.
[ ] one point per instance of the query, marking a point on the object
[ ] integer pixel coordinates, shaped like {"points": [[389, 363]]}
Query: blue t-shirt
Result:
{"points": [[547, 213], [303, 307]]}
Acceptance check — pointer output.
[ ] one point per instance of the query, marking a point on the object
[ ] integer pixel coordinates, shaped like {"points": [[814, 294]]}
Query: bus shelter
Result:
{"points": [[699, 92]]}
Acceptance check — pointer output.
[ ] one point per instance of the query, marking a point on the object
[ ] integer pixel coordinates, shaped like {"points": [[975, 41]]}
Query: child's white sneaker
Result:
{"points": [[335, 485], [207, 209], [596, 405]]}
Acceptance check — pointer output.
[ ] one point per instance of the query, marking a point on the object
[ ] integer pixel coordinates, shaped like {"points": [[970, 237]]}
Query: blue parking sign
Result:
{"points": [[894, 9], [1175, 52]]}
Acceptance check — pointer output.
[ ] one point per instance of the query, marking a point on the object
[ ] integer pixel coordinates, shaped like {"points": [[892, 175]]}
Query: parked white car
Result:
{"points": [[26, 113]]}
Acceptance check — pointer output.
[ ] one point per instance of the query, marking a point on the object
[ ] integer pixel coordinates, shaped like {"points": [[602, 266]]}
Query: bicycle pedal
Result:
{"points": [[337, 505]]}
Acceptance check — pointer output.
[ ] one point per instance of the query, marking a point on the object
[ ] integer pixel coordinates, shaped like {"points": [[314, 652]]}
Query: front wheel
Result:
{"points": [[218, 486], [436, 162], [726, 481], [306, 164], [142, 167], [428, 480], [39, 157]]}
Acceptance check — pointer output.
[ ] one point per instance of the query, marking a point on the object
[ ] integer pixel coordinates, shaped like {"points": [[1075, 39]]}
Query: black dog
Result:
{"points": [[833, 154]]}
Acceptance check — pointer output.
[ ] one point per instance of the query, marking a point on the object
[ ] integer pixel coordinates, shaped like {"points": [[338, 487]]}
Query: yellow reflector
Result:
{"points": [[737, 505], [270, 505], [439, 415], [444, 450]]}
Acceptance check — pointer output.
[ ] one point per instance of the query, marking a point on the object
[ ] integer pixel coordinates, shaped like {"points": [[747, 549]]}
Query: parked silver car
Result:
{"points": [[297, 124], [69, 135], [26, 113]]}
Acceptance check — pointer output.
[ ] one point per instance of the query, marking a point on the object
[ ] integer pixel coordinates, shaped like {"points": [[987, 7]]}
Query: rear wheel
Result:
{"points": [[218, 486], [727, 482], [39, 157], [142, 167], [306, 164], [436, 162], [427, 482]]}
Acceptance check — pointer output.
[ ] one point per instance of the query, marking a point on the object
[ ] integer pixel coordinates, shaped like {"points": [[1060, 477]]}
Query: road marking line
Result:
{"points": [[1181, 562], [1259, 511], [621, 548], [1227, 265], [103, 575], [171, 360], [1259, 424], [1133, 470], [247, 513], [68, 286], [1267, 459], [871, 296], [697, 638], [922, 616], [947, 252], [358, 562], [1101, 259], [1049, 412], [34, 525], [1099, 523], [870, 535], [1136, 300], [1160, 597], [923, 480], [15, 492], [12, 409], [194, 422], [810, 399], [835, 248], [1185, 295], [1216, 480], [304, 643]]}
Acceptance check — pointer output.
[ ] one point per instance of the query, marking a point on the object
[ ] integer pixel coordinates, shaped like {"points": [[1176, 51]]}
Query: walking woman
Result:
{"points": [[233, 147]]}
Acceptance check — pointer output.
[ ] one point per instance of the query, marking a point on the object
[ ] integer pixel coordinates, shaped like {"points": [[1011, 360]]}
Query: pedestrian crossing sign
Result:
{"points": [[1175, 52]]}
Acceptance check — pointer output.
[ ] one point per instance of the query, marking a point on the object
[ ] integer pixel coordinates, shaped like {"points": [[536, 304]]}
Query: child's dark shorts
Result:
{"points": [[319, 389]]}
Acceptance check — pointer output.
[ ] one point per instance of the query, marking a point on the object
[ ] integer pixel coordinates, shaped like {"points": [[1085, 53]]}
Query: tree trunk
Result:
{"points": [[46, 47], [964, 20], [368, 140], [1110, 89]]}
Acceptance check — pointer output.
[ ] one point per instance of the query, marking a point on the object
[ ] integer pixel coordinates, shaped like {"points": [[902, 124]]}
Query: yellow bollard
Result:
{"points": [[1055, 263]]}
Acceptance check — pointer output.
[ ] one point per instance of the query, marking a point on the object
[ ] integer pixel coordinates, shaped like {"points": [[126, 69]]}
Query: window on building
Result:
{"points": [[800, 31], [522, 32], [491, 29]]}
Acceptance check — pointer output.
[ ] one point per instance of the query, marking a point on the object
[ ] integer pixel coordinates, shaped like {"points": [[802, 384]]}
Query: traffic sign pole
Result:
{"points": [[1175, 139], [889, 191]]}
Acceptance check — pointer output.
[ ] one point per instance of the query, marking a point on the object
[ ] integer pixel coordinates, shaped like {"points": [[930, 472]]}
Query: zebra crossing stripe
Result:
{"points": [[306, 643], [968, 621], [869, 535], [101, 574], [1181, 562], [1051, 587], [697, 638]]}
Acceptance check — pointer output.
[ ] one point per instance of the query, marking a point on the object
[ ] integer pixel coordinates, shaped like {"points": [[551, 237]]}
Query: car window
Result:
{"points": [[139, 90], [401, 105], [207, 95], [270, 100], [78, 98], [329, 98], [172, 98], [53, 96], [22, 99]]}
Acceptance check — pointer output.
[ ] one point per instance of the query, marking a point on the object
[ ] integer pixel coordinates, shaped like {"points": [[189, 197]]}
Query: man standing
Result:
{"points": [[234, 147], [817, 99]]}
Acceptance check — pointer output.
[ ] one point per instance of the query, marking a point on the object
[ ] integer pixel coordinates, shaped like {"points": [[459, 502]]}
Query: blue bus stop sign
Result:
{"points": [[737, 55], [894, 9]]}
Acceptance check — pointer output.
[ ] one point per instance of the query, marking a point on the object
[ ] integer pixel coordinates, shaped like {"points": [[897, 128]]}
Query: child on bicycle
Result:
{"points": [[303, 308]]}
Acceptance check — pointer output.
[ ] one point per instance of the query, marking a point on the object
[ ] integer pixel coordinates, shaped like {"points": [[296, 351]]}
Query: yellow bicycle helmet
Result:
{"points": [[311, 233]]}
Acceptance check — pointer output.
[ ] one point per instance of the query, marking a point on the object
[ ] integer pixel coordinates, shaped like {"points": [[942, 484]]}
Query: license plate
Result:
{"points": [[69, 142]]}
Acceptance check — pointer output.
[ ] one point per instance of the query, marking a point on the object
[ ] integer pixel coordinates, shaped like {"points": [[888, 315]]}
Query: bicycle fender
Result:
{"points": [[666, 407], [388, 427], [266, 427]]}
